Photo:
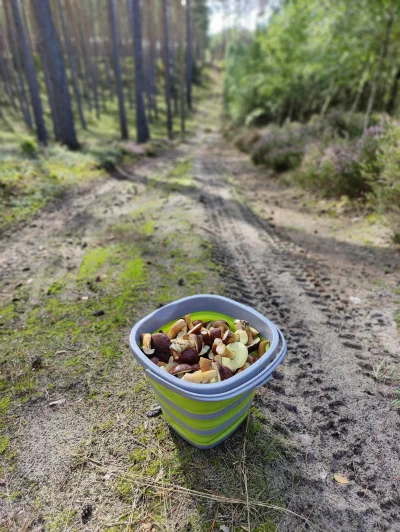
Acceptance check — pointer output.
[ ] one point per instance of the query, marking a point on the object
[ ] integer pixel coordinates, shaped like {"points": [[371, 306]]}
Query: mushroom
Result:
{"points": [[181, 344], [243, 336], [254, 331], [253, 346], [182, 368], [205, 334], [245, 366], [196, 342], [155, 360], [223, 372], [205, 364], [196, 322], [215, 332], [262, 348], [200, 377], [241, 354], [189, 356], [251, 359], [196, 329], [176, 328], [146, 344], [171, 364], [160, 343], [204, 350], [221, 324], [230, 337], [219, 348], [244, 326], [188, 321]]}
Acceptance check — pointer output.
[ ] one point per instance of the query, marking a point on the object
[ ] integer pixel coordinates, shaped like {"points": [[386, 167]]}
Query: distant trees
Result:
{"points": [[73, 57], [313, 56]]}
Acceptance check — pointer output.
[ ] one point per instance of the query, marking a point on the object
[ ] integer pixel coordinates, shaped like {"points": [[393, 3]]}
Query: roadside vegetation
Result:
{"points": [[314, 93]]}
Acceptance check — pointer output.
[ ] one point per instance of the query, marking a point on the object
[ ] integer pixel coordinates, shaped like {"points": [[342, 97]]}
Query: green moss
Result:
{"points": [[4, 443], [93, 261]]}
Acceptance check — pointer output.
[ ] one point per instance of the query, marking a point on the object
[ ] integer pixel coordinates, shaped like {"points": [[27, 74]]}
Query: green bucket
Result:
{"points": [[206, 414]]}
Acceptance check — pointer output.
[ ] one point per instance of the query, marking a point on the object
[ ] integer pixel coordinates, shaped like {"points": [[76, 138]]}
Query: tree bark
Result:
{"points": [[189, 54], [30, 73], [71, 61], [117, 69], [167, 63], [379, 68], [181, 67], [58, 78], [142, 130]]}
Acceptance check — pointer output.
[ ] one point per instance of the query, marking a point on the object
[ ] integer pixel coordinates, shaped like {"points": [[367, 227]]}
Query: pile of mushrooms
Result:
{"points": [[204, 352]]}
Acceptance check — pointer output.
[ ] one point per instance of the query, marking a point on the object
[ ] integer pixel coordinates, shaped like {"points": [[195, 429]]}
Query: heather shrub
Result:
{"points": [[281, 148], [246, 139]]}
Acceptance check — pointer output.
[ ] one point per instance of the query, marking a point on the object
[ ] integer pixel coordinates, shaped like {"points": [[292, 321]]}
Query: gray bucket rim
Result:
{"points": [[179, 308]]}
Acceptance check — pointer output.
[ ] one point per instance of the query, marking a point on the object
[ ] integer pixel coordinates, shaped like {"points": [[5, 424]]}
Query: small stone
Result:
{"points": [[154, 411], [181, 282], [98, 313]]}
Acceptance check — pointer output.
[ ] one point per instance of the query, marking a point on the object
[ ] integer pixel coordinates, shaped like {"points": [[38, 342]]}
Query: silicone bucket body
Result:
{"points": [[205, 415]]}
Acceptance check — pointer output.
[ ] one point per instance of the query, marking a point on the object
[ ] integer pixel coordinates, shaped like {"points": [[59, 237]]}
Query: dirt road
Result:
{"points": [[79, 464]]}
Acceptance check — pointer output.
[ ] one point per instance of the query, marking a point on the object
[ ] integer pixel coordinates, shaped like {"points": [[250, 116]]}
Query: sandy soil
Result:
{"points": [[333, 295]]}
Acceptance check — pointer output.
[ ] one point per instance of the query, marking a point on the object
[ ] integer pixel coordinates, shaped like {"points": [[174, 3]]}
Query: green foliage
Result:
{"points": [[312, 56], [28, 147]]}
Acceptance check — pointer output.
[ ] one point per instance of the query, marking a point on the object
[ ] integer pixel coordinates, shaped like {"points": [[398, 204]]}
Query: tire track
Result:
{"points": [[330, 408]]}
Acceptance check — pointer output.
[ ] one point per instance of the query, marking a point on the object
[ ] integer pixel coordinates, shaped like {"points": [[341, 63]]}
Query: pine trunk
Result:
{"points": [[30, 73], [167, 64], [142, 129], [117, 69], [57, 75], [189, 58]]}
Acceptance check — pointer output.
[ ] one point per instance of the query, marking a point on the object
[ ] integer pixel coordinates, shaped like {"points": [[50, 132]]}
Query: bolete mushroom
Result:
{"points": [[221, 324], [254, 345], [230, 337], [196, 322], [160, 343], [176, 328], [196, 342], [241, 354], [146, 344], [223, 372], [245, 366], [264, 345], [219, 348], [243, 325], [188, 321], [205, 364], [189, 356], [180, 369], [200, 377]]}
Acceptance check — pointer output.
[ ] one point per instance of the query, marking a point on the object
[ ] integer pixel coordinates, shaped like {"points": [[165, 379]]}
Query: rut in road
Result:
{"points": [[319, 396]]}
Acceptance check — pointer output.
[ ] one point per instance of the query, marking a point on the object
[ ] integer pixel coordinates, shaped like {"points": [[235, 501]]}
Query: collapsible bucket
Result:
{"points": [[206, 414]]}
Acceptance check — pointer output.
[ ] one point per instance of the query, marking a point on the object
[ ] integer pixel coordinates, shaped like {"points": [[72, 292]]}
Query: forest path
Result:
{"points": [[143, 238]]}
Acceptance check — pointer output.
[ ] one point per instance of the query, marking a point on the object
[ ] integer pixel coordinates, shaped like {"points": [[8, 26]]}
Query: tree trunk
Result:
{"points": [[30, 73], [189, 54], [167, 63], [142, 129], [58, 78], [181, 67], [71, 61], [379, 68], [117, 69], [391, 104]]}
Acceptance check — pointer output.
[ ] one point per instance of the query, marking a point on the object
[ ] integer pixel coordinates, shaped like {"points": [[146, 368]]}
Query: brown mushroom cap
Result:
{"points": [[160, 343], [254, 345], [197, 342], [196, 322], [221, 324], [183, 368], [155, 360], [215, 332], [205, 334], [190, 356]]}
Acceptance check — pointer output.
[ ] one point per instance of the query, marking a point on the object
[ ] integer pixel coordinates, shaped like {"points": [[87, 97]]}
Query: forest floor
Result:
{"points": [[79, 451]]}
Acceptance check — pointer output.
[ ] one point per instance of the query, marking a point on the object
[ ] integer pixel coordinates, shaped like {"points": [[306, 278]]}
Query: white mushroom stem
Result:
{"points": [[200, 377], [224, 351], [188, 321], [175, 328], [146, 344]]}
